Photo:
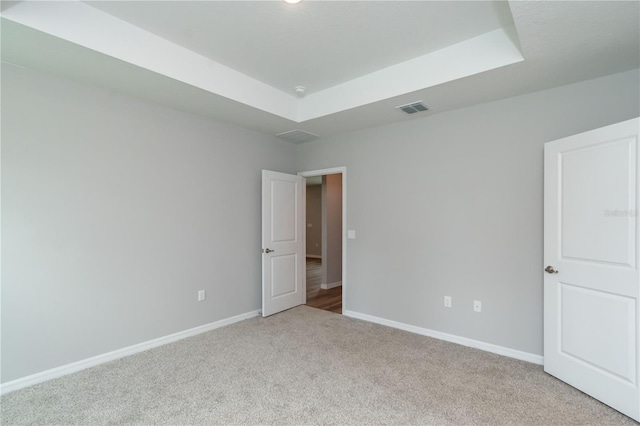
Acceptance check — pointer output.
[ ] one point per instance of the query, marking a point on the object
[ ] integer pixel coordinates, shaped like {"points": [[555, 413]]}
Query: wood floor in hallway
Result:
{"points": [[328, 300]]}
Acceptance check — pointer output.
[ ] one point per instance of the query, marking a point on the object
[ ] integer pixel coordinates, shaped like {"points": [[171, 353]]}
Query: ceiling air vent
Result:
{"points": [[413, 107], [297, 136]]}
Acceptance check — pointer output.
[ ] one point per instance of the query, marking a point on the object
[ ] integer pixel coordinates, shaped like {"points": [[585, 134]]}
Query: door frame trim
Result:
{"points": [[331, 171]]}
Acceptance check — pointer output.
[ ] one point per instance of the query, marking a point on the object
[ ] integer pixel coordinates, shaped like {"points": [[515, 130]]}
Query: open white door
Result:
{"points": [[591, 281], [283, 262]]}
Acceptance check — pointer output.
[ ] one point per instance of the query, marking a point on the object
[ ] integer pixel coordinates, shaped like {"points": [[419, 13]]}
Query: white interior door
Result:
{"points": [[283, 262], [591, 277]]}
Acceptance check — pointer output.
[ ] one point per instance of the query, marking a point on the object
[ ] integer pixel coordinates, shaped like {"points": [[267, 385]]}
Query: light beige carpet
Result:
{"points": [[307, 366]]}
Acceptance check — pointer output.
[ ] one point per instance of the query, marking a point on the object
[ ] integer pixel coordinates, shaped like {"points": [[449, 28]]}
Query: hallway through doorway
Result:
{"points": [[328, 300]]}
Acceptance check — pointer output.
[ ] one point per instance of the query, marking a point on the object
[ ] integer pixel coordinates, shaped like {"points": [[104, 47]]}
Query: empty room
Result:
{"points": [[320, 212]]}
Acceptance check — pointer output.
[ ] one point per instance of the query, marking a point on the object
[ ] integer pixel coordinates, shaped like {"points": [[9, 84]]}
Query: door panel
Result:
{"points": [[283, 211], [283, 281], [283, 274], [592, 323], [591, 292], [609, 165]]}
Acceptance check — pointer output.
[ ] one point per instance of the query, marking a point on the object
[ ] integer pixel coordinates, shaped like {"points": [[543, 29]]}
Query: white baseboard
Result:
{"points": [[120, 353], [489, 347], [330, 285], [314, 256]]}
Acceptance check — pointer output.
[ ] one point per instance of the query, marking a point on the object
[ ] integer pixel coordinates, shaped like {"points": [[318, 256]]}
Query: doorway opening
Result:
{"points": [[325, 242]]}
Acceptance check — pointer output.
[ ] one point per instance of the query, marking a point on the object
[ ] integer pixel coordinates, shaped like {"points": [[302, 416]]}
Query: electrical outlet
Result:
{"points": [[477, 306], [201, 295], [447, 301]]}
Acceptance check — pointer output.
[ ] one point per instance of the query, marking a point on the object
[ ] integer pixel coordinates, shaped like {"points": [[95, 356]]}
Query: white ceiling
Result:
{"points": [[312, 44], [239, 61]]}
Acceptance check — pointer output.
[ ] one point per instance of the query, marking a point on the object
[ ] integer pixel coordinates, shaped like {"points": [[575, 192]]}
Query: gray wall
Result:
{"points": [[332, 218], [115, 212], [452, 205], [314, 218]]}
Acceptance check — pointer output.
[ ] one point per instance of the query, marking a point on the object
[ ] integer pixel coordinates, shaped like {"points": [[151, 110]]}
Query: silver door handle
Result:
{"points": [[268, 250], [550, 270]]}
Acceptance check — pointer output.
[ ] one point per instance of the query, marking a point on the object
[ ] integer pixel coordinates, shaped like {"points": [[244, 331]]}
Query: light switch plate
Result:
{"points": [[351, 234]]}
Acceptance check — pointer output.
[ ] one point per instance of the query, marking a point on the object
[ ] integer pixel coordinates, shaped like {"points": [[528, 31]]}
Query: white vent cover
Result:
{"points": [[413, 107], [297, 136]]}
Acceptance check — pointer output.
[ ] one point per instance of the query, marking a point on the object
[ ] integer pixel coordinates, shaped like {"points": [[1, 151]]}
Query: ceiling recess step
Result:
{"points": [[297, 136], [413, 107]]}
